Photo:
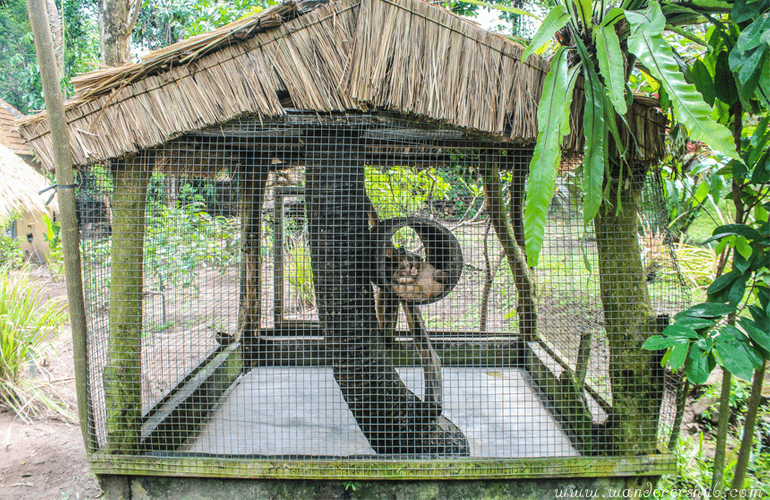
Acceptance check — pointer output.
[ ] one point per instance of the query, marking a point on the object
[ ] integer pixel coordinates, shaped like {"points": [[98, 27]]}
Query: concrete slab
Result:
{"points": [[300, 412]]}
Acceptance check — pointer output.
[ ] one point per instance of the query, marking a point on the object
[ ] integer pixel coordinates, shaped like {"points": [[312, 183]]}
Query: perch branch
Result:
{"points": [[523, 278]]}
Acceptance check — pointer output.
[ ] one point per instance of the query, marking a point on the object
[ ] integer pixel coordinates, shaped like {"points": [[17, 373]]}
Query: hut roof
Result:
{"points": [[406, 56], [20, 185], [9, 134]]}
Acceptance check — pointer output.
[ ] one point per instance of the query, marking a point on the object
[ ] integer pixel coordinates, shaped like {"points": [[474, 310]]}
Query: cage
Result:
{"points": [[286, 276]]}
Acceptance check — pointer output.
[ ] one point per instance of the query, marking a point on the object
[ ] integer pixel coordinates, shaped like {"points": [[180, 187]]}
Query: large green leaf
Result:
{"points": [[679, 355], [553, 107], [704, 82], [585, 11], [656, 55], [595, 133], [726, 91], [734, 357], [744, 10], [650, 21], [698, 366], [761, 337], [554, 21], [657, 342], [611, 65], [748, 57], [706, 310]]}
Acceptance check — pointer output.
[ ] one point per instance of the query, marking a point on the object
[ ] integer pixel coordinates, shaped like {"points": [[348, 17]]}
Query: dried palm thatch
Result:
{"points": [[19, 187], [405, 56], [9, 134]]}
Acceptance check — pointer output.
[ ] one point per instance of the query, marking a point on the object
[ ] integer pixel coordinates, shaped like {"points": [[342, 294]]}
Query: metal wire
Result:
{"points": [[241, 307]]}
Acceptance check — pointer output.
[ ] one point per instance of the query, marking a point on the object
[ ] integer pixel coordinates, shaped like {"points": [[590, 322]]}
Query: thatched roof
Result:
{"points": [[19, 187], [404, 56], [9, 134]]}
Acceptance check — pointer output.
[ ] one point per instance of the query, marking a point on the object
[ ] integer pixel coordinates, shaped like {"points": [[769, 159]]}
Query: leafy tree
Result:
{"points": [[731, 328], [20, 82], [163, 22], [514, 17], [603, 43]]}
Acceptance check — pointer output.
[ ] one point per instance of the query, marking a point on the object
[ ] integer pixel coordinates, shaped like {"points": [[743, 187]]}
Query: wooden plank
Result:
{"points": [[382, 467]]}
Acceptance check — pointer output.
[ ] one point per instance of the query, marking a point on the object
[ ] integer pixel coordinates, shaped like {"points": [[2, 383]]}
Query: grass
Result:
{"points": [[26, 324], [300, 272], [708, 219]]}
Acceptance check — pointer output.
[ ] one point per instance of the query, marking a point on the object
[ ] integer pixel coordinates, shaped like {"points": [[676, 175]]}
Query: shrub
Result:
{"points": [[26, 323], [10, 252], [300, 272]]}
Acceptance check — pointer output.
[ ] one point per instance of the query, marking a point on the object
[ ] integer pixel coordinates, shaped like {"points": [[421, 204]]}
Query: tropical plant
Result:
{"points": [[400, 191], [300, 272], [731, 328], [27, 324], [162, 23], [20, 83], [591, 38], [10, 248], [52, 236], [602, 44], [10, 251], [691, 182]]}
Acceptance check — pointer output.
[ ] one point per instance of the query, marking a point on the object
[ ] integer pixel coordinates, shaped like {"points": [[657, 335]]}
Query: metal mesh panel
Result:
{"points": [[313, 287]]}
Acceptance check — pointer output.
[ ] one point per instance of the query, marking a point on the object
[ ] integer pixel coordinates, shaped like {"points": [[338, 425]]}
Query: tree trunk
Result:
{"points": [[392, 418], [115, 31], [522, 277], [69, 230], [254, 182], [56, 33], [635, 374], [122, 373]]}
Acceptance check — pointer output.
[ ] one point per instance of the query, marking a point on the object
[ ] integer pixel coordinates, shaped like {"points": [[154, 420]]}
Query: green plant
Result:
{"points": [[400, 191], [602, 41], [180, 240], [52, 236], [691, 183], [10, 251], [300, 272], [10, 248], [25, 328]]}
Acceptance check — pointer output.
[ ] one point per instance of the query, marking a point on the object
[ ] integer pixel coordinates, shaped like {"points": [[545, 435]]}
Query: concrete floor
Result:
{"points": [[301, 412]]}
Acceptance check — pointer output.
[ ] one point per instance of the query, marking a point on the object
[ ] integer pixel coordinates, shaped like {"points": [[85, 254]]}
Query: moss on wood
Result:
{"points": [[635, 374], [122, 373]]}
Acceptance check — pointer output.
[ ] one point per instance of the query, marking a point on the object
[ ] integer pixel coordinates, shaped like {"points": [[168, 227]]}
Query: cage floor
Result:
{"points": [[301, 411]]}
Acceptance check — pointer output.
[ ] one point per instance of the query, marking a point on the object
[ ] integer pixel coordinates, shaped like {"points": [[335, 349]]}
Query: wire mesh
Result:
{"points": [[312, 287]]}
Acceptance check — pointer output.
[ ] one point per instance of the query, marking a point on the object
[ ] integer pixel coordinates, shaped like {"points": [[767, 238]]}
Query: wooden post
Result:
{"points": [[66, 197], [253, 175], [122, 373]]}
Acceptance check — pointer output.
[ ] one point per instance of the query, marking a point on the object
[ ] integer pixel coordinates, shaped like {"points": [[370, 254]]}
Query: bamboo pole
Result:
{"points": [[69, 230]]}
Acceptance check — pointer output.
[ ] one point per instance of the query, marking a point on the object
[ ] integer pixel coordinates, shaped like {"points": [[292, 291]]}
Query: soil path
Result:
{"points": [[46, 459]]}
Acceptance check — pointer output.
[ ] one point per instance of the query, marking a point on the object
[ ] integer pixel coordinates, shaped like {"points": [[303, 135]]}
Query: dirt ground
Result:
{"points": [[46, 459]]}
